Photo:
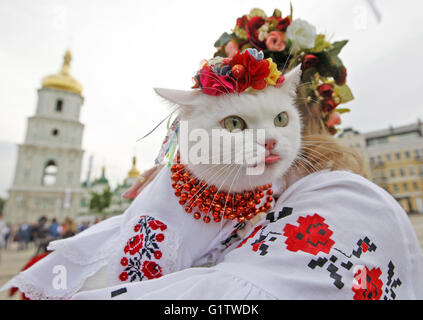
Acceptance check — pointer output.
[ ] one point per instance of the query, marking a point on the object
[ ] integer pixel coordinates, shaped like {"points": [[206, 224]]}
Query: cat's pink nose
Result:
{"points": [[269, 144]]}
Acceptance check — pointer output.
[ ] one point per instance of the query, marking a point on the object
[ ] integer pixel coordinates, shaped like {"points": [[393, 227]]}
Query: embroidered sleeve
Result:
{"points": [[147, 251]]}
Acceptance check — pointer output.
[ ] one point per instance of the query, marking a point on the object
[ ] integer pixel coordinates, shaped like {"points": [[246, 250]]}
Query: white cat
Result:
{"points": [[272, 109]]}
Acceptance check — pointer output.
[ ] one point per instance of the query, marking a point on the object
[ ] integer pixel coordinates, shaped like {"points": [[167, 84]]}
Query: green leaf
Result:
{"points": [[342, 110], [277, 13], [320, 43], [308, 74], [290, 10], [344, 92], [336, 47], [223, 39]]}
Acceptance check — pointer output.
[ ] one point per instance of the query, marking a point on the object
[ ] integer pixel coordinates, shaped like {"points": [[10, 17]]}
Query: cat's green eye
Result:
{"points": [[281, 119], [233, 123]]}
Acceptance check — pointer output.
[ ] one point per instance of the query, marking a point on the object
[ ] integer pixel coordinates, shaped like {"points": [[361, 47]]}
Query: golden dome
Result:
{"points": [[63, 80], [133, 173]]}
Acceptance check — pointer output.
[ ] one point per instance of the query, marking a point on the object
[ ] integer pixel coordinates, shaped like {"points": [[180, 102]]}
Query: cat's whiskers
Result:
{"points": [[214, 197], [229, 191], [312, 150], [217, 174]]}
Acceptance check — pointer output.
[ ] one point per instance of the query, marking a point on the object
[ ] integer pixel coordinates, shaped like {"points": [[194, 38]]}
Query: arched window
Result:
{"points": [[55, 132], [59, 105], [50, 173]]}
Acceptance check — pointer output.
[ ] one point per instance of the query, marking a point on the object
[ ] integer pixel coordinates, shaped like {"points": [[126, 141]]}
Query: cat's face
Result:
{"points": [[269, 114]]}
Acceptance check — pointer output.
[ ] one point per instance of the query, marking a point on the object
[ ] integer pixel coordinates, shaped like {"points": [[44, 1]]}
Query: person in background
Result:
{"points": [[8, 232], [69, 228], [24, 236], [53, 230], [41, 235], [3, 227]]}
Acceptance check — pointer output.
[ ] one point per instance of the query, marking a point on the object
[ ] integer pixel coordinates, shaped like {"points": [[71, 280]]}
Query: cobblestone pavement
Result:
{"points": [[12, 260]]}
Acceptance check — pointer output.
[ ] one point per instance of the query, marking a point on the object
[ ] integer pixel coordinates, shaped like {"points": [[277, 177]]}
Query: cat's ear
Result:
{"points": [[292, 80], [179, 97]]}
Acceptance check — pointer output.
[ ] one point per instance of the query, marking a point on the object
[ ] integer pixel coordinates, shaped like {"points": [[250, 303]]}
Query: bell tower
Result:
{"points": [[48, 168]]}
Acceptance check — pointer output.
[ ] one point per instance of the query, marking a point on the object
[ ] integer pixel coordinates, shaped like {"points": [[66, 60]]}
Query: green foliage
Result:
{"points": [[344, 92], [99, 202], [320, 43], [223, 39]]}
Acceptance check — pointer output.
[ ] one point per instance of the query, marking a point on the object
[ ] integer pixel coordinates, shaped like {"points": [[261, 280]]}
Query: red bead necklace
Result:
{"points": [[204, 200]]}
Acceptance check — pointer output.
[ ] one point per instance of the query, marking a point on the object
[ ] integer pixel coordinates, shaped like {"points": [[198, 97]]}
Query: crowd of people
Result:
{"points": [[38, 235]]}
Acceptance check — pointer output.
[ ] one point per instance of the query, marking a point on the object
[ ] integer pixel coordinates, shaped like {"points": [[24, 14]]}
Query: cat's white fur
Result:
{"points": [[258, 110]]}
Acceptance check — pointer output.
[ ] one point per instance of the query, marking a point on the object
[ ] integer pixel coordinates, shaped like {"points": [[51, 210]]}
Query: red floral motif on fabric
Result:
{"points": [[142, 251], [367, 285], [151, 270], [252, 234], [312, 235]]}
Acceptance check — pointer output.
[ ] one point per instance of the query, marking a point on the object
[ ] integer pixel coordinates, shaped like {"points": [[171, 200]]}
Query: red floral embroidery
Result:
{"points": [[311, 236], [123, 276], [257, 245], [141, 250], [124, 261], [151, 270], [252, 234], [134, 244], [367, 284], [156, 224]]}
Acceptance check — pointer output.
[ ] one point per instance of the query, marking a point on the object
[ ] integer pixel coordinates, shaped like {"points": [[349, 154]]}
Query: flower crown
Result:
{"points": [[246, 70], [260, 49]]}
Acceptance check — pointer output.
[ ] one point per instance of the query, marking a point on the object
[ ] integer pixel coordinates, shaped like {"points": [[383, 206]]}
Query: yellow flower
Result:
{"points": [[274, 73]]}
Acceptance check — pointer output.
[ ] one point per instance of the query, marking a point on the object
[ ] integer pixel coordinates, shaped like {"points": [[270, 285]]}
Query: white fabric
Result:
{"points": [[358, 224], [187, 242]]}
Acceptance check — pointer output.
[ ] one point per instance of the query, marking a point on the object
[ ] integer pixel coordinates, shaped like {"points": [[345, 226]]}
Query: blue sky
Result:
{"points": [[122, 49]]}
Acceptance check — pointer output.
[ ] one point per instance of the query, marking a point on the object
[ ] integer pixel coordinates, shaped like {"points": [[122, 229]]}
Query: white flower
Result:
{"points": [[263, 32], [302, 34]]}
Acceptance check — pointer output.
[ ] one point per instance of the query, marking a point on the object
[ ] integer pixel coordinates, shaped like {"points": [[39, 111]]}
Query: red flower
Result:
{"points": [[255, 73], [367, 285], [251, 29], [240, 22], [283, 24], [325, 90], [160, 237], [328, 105], [137, 228], [134, 244], [124, 261], [157, 224], [311, 236], [215, 85], [309, 61], [151, 270], [123, 276], [157, 254]]}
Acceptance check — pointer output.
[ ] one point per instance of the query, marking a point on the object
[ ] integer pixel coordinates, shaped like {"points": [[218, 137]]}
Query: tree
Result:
{"points": [[99, 202]]}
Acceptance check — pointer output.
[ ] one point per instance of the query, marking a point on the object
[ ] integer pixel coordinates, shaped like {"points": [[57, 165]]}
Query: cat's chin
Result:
{"points": [[235, 178]]}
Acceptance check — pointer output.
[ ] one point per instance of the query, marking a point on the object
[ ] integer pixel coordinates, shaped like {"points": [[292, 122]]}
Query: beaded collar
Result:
{"points": [[208, 202]]}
